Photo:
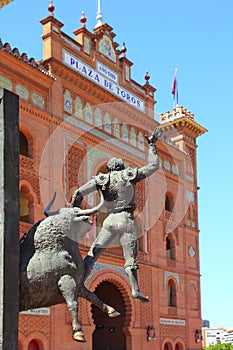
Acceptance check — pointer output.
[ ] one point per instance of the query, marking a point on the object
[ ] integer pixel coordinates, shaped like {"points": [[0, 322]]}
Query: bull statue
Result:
{"points": [[51, 266]]}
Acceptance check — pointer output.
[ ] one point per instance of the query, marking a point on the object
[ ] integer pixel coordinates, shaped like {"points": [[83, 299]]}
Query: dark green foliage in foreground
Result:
{"points": [[219, 346]]}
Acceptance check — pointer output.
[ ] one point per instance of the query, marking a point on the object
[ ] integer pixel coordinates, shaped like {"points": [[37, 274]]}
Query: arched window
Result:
{"points": [[168, 202], [170, 248], [67, 102], [107, 123], [98, 118], [171, 293], [33, 345], [140, 141], [23, 144], [78, 108], [178, 346], [125, 135], [133, 140], [116, 128], [88, 113], [26, 207], [168, 346]]}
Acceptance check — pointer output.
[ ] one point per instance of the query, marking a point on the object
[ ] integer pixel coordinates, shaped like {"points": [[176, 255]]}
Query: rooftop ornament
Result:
{"points": [[147, 77], [99, 16], [123, 50], [51, 7], [83, 19]]}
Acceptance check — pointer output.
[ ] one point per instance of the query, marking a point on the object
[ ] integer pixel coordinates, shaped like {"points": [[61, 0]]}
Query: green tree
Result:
{"points": [[220, 346]]}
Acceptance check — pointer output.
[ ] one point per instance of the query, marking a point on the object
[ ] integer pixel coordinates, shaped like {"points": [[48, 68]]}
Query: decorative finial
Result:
{"points": [[51, 8], [83, 19], [123, 49], [99, 16], [147, 77]]}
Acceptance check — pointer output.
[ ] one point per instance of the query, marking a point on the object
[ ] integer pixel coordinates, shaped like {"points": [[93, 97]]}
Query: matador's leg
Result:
{"points": [[129, 245], [102, 241]]}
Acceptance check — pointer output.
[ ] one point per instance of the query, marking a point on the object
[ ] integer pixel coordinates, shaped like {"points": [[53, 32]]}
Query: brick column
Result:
{"points": [[9, 220]]}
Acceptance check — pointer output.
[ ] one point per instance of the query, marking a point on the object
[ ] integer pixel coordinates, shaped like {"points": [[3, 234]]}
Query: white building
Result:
{"points": [[212, 336]]}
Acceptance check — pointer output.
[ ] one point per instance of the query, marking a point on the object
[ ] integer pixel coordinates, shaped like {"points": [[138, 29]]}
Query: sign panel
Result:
{"points": [[103, 77], [44, 311], [172, 321], [109, 73]]}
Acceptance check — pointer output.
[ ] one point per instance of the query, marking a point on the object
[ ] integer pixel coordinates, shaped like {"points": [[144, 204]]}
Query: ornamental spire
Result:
{"points": [[99, 16], [147, 77], [83, 19], [51, 8]]}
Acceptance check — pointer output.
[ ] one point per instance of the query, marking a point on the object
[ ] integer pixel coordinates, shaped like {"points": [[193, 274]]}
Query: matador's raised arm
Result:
{"points": [[82, 191], [153, 159]]}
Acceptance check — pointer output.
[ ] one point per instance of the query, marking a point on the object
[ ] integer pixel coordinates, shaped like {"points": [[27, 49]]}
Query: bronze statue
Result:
{"points": [[118, 188], [51, 266]]}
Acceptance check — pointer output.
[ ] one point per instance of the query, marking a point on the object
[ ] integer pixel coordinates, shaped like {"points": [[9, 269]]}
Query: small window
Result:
{"points": [[171, 293], [26, 205], [170, 248], [168, 203], [23, 144]]}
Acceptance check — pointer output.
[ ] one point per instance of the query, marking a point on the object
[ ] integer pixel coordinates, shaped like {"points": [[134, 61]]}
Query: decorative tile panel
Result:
{"points": [[133, 140], [175, 170], [38, 100], [116, 128], [5, 83], [140, 141], [93, 155], [87, 46], [22, 92], [78, 108], [88, 113], [168, 274], [125, 135], [106, 48], [167, 165], [67, 102], [127, 73], [107, 123], [98, 118]]}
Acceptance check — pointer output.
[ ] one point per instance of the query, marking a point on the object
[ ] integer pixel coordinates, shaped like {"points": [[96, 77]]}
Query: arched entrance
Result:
{"points": [[178, 346], [33, 345], [168, 346], [108, 334]]}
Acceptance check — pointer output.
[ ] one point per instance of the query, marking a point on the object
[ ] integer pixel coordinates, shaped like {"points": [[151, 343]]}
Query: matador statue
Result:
{"points": [[118, 187]]}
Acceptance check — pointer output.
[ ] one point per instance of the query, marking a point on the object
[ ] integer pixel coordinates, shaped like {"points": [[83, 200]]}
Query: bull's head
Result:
{"points": [[77, 211], [77, 218]]}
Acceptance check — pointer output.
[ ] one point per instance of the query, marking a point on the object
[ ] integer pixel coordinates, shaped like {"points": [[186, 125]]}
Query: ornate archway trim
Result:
{"points": [[117, 276]]}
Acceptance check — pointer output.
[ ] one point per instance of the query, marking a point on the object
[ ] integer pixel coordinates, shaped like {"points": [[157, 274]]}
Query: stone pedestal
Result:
{"points": [[9, 220]]}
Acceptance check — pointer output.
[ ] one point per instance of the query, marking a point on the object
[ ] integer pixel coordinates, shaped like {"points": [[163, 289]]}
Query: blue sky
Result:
{"points": [[196, 37]]}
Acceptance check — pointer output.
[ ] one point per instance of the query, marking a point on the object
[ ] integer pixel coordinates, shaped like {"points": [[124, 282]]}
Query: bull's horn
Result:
{"points": [[95, 209], [46, 210]]}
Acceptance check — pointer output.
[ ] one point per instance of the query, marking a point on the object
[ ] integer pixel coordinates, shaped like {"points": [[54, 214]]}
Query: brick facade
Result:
{"points": [[79, 107]]}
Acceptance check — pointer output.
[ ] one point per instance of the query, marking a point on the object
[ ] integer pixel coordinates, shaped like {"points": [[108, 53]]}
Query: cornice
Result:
{"points": [[23, 58], [183, 122]]}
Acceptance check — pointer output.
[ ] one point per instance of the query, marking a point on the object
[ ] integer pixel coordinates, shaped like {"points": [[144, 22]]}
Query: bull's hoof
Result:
{"points": [[112, 312], [138, 295], [79, 336]]}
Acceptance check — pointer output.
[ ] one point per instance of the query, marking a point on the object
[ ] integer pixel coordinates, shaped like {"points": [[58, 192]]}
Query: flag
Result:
{"points": [[175, 89]]}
